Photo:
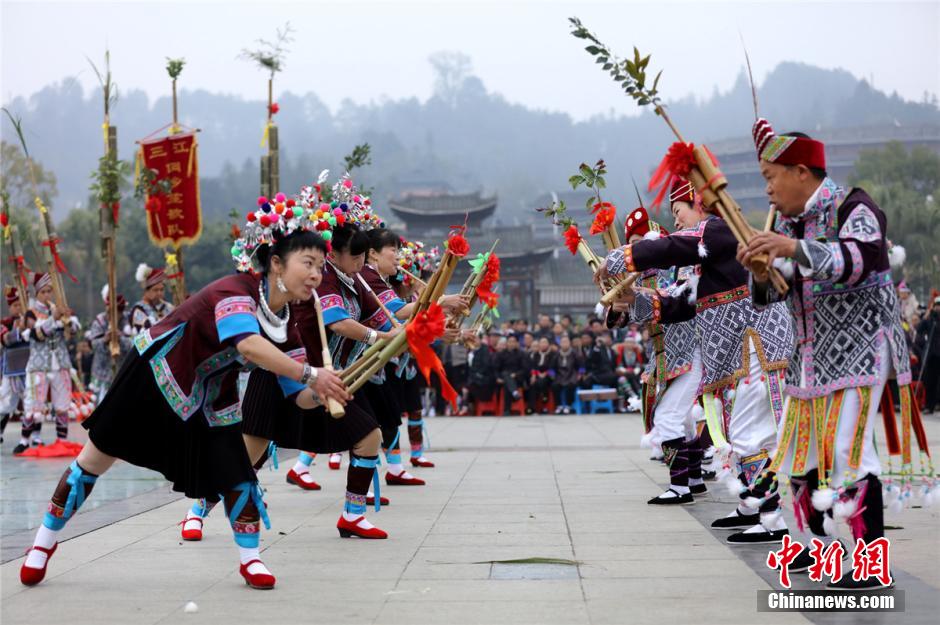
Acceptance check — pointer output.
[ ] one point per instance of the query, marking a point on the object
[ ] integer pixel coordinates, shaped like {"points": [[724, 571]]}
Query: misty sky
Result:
{"points": [[373, 50]]}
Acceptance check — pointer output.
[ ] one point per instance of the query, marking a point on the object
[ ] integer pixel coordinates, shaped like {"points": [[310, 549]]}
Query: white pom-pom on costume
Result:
{"points": [[104, 292], [843, 509], [829, 525], [693, 287], [634, 404], [897, 255], [769, 519], [896, 506], [652, 235], [784, 266], [734, 485], [646, 441], [142, 270], [599, 309], [753, 502], [891, 493], [698, 413], [823, 498], [702, 250]]}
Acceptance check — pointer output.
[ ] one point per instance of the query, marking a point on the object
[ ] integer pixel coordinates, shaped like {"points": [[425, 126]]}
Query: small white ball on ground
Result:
{"points": [[191, 607]]}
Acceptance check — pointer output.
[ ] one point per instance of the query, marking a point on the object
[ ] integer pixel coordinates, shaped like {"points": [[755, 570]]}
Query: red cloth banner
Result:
{"points": [[174, 218]]}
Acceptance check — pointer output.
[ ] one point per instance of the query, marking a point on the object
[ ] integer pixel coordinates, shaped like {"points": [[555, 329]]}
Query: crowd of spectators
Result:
{"points": [[544, 363]]}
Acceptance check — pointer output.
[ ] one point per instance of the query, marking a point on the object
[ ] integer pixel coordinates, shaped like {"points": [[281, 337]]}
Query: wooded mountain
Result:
{"points": [[469, 138]]}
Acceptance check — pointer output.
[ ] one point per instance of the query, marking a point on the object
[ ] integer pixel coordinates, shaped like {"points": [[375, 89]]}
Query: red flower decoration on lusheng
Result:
{"points": [[427, 327], [572, 239], [458, 246], [274, 109], [154, 204], [489, 280], [603, 217], [678, 163]]}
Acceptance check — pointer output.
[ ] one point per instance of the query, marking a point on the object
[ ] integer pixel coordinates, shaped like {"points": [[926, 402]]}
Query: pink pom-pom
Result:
{"points": [[356, 199], [337, 212], [347, 183], [280, 197], [262, 200], [273, 217], [325, 207]]}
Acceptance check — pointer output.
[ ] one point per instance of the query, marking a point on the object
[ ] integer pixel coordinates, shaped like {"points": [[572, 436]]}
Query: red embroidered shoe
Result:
{"points": [[30, 576], [348, 529], [370, 500], [261, 581], [297, 480], [335, 461], [403, 479], [192, 533], [421, 461]]}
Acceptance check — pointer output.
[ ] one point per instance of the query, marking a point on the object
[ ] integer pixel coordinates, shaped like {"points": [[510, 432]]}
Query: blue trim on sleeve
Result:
{"points": [[332, 315], [235, 324]]}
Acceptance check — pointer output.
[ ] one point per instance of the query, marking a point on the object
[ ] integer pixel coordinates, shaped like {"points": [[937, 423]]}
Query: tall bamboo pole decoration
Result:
{"points": [[703, 174], [108, 195], [174, 261], [17, 261], [46, 228], [270, 57]]}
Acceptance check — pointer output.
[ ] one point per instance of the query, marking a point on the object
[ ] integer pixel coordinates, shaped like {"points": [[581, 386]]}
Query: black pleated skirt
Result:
{"points": [[136, 424], [385, 399], [411, 393], [267, 414]]}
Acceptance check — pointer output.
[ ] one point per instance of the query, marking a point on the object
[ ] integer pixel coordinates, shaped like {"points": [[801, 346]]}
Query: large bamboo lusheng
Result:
{"points": [[703, 173], [377, 355], [469, 289]]}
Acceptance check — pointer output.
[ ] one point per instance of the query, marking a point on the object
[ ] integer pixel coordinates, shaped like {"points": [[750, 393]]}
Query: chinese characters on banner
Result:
{"points": [[174, 218], [868, 560]]}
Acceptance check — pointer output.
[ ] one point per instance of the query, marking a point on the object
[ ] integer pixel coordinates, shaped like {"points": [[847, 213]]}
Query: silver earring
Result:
{"points": [[280, 285]]}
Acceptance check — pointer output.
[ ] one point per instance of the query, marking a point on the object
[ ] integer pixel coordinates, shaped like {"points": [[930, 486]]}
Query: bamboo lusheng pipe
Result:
{"points": [[611, 296], [414, 277], [391, 317], [335, 408], [470, 290], [383, 351]]}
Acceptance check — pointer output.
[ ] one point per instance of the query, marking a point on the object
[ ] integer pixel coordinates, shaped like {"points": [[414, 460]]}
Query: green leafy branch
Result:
{"points": [[558, 212], [270, 56], [147, 184], [107, 178], [108, 86], [360, 156], [630, 74], [593, 178], [174, 67]]}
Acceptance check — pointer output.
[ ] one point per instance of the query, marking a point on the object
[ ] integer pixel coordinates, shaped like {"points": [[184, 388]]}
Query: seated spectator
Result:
{"points": [[512, 369], [558, 331], [481, 378], [542, 362], [567, 373], [544, 327], [601, 363]]}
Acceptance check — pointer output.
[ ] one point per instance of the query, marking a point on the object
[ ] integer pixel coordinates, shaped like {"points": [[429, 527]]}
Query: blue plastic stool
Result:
{"points": [[602, 404]]}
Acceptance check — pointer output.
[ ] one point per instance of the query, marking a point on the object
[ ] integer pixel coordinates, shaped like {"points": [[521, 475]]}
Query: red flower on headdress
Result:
{"points": [[604, 214], [572, 239], [458, 246], [274, 108]]}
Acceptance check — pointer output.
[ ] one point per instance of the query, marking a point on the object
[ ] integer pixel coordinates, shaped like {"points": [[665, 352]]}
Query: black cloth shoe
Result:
{"points": [[757, 538], [847, 584], [709, 476], [736, 520], [20, 448], [660, 500], [698, 489]]}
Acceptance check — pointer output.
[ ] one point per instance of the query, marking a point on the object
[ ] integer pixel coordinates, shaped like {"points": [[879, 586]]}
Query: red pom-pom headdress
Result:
{"points": [[785, 150]]}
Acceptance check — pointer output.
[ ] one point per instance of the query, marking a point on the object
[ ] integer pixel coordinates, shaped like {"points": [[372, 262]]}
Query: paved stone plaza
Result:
{"points": [[567, 488]]}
